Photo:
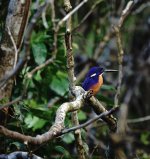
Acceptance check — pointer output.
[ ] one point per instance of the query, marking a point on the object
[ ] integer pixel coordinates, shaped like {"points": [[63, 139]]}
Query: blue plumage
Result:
{"points": [[92, 77]]}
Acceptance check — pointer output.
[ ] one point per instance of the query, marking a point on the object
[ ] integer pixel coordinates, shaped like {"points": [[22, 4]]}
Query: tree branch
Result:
{"points": [[139, 120], [117, 28], [71, 13], [18, 155], [71, 77], [88, 14], [11, 102], [98, 109], [91, 121], [58, 126], [14, 45]]}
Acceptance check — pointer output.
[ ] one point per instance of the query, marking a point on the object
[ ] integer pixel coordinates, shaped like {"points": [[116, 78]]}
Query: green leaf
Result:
{"points": [[107, 100], [75, 46], [37, 76], [108, 87], [39, 37], [59, 83], [81, 115], [34, 122], [39, 52], [68, 138], [62, 150], [18, 113], [145, 138], [31, 103], [90, 44], [4, 100]]}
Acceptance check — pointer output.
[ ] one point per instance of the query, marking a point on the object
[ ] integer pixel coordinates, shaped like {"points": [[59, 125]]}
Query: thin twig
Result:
{"points": [[47, 62], [88, 14], [122, 120], [120, 60], [78, 137], [53, 101], [139, 120], [125, 13], [99, 49], [71, 13], [117, 28], [16, 100], [99, 108], [14, 45], [91, 121], [53, 15], [122, 3], [44, 19], [141, 8]]}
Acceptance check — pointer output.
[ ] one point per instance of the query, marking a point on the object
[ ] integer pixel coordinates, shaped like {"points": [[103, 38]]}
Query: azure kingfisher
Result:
{"points": [[94, 79]]}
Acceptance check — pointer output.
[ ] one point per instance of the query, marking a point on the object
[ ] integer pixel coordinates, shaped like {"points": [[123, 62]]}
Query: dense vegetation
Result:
{"points": [[94, 43]]}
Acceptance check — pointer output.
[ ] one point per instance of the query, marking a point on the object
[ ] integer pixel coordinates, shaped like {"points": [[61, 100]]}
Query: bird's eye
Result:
{"points": [[93, 75]]}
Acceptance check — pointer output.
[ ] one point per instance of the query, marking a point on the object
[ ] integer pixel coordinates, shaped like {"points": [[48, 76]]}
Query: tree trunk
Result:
{"points": [[13, 20], [16, 20]]}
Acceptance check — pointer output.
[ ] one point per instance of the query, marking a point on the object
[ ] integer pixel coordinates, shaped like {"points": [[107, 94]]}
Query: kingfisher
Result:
{"points": [[94, 79]]}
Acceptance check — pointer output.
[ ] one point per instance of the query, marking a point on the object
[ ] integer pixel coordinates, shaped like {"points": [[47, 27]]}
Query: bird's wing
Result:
{"points": [[88, 82]]}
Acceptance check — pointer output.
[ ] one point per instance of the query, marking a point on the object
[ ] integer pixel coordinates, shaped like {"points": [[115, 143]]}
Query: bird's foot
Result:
{"points": [[90, 94]]}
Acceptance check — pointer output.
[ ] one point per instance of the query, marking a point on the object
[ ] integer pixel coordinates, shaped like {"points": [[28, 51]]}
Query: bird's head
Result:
{"points": [[95, 72]]}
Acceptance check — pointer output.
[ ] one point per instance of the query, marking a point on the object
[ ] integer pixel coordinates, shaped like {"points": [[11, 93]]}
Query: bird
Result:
{"points": [[94, 79]]}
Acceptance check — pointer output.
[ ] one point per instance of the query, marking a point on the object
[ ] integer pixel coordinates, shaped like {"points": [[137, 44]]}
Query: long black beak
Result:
{"points": [[110, 70]]}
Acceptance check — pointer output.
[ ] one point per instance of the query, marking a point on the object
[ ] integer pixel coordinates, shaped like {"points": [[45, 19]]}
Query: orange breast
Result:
{"points": [[97, 86]]}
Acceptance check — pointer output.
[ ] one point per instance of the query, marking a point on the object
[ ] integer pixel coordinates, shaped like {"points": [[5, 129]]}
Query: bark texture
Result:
{"points": [[16, 19]]}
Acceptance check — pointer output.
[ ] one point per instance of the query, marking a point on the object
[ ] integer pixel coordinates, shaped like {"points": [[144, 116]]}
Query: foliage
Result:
{"points": [[33, 116]]}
